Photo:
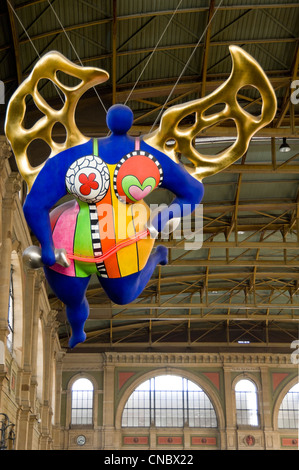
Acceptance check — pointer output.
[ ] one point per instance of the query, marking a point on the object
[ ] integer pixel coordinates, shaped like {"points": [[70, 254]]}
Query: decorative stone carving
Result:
{"points": [[5, 152], [252, 361]]}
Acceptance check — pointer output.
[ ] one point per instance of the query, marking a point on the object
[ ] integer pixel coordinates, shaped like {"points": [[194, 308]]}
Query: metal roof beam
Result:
{"points": [[263, 168], [277, 22], [252, 245], [183, 346], [150, 49], [238, 263], [136, 33], [206, 48], [203, 305], [15, 39], [229, 275], [30, 3], [36, 19]]}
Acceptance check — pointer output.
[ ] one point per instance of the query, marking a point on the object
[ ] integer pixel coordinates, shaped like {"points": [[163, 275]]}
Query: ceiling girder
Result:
{"points": [[236, 287]]}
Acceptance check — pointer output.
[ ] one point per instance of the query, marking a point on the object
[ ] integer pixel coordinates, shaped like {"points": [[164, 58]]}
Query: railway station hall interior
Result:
{"points": [[142, 109]]}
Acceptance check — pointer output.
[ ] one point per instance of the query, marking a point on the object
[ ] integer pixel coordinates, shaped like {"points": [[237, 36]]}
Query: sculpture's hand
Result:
{"points": [[168, 228], [48, 256], [36, 258]]}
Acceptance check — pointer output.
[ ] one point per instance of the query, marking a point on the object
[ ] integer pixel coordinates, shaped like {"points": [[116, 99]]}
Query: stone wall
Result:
{"points": [[27, 364], [116, 375], [36, 375]]}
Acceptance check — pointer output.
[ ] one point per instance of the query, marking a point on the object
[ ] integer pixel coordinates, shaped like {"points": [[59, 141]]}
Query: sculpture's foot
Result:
{"points": [[76, 339]]}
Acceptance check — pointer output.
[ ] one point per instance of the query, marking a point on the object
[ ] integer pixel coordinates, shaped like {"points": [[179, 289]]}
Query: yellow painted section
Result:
{"points": [[130, 219]]}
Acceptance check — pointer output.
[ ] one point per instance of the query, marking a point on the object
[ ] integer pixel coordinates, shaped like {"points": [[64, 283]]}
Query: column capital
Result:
{"points": [[5, 170], [39, 279], [13, 185], [60, 355], [30, 273], [51, 321], [5, 152]]}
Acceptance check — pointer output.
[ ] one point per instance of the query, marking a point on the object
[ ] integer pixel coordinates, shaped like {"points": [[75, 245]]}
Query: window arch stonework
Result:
{"points": [[279, 399], [82, 375], [17, 279], [204, 385], [71, 382], [252, 378]]}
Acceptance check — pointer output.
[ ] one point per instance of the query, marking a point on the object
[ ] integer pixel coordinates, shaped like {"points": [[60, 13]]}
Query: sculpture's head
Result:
{"points": [[119, 119]]}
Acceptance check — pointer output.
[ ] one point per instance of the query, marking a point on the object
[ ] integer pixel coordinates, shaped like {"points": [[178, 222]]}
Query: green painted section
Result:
{"points": [[83, 242]]}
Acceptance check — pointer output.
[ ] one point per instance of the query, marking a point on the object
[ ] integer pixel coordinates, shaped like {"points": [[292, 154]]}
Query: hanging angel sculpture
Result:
{"points": [[109, 178]]}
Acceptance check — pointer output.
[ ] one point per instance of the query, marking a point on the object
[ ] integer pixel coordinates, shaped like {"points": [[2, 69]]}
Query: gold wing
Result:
{"points": [[20, 137], [245, 71]]}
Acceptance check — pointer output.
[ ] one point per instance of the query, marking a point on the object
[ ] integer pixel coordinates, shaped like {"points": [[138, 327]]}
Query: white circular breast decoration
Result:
{"points": [[88, 179]]}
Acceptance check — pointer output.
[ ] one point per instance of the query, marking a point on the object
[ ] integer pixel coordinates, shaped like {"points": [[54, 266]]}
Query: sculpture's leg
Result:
{"points": [[124, 290], [71, 291]]}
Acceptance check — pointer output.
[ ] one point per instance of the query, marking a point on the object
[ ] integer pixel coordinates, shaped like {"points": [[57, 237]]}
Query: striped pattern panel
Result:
{"points": [[95, 237]]}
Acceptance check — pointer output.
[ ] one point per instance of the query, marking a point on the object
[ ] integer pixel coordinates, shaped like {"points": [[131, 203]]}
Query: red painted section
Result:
{"points": [[128, 440], [210, 441], [123, 377], [213, 377], [289, 442], [278, 377], [169, 440]]}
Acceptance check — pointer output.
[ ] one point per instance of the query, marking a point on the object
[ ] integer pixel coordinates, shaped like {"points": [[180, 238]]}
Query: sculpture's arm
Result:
{"points": [[48, 188], [187, 190]]}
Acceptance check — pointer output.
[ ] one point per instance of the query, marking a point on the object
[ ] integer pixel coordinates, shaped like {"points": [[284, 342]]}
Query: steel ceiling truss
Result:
{"points": [[239, 290], [237, 287]]}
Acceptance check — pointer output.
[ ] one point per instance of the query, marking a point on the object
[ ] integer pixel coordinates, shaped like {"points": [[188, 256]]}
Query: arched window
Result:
{"points": [[40, 362], [169, 401], [246, 403], [53, 394], [288, 414], [15, 309], [10, 316], [82, 402]]}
